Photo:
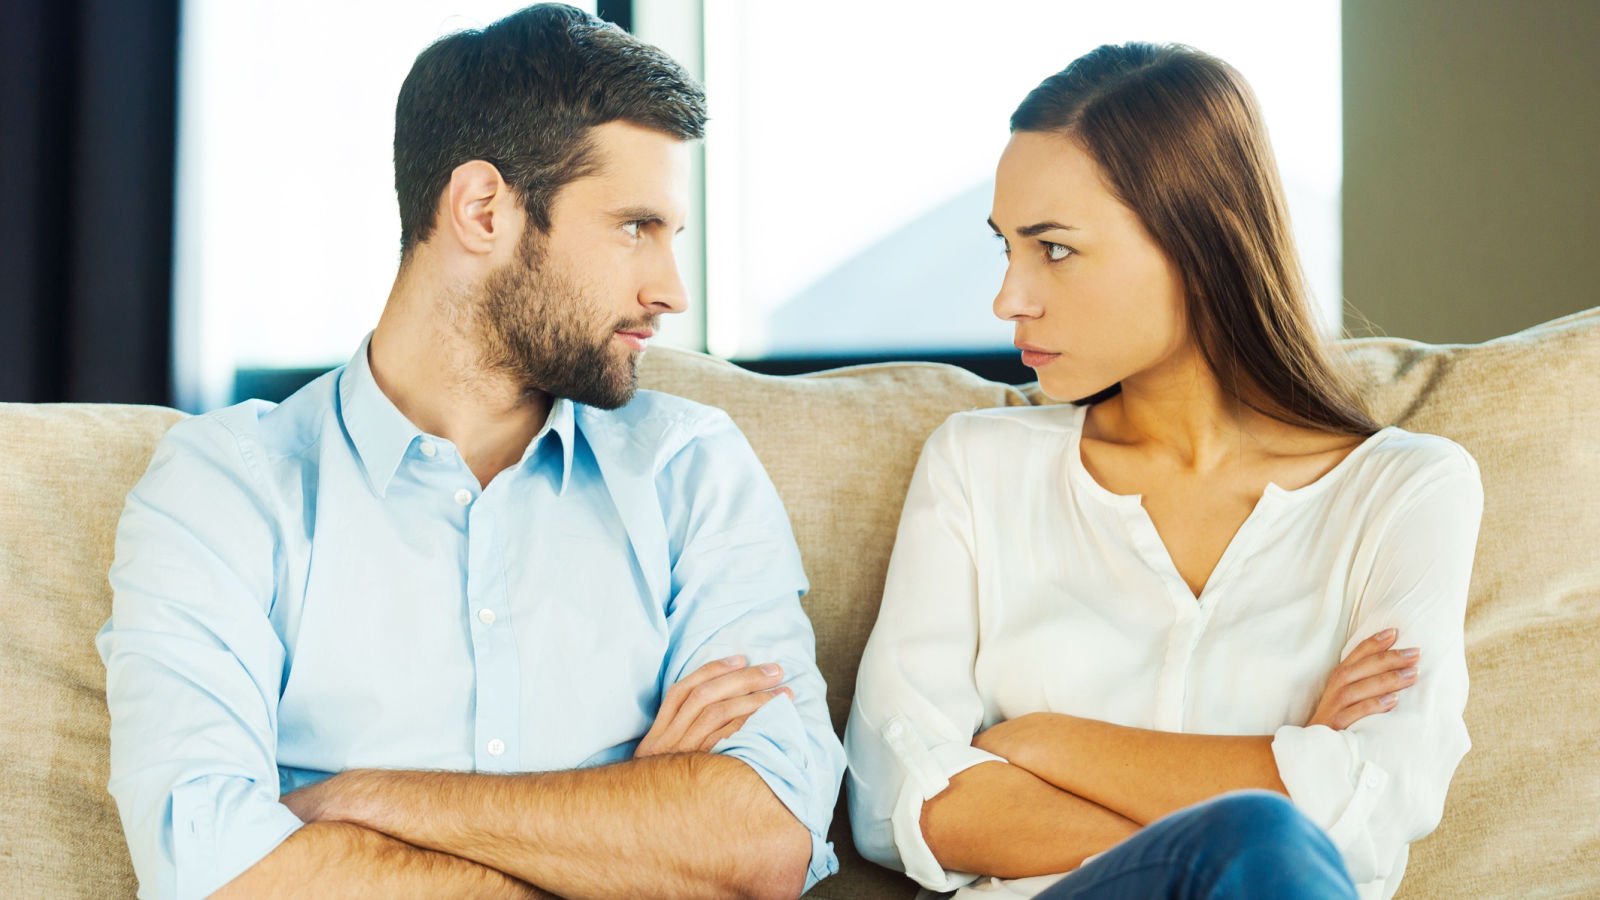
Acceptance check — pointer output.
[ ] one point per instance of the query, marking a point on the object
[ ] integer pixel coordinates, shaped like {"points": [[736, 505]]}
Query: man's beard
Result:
{"points": [[538, 328]]}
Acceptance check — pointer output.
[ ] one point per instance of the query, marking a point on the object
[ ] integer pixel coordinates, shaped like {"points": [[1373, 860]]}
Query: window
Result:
{"points": [[288, 232], [846, 174], [851, 151]]}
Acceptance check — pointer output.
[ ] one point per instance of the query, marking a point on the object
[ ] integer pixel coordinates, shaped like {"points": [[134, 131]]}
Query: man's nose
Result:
{"points": [[664, 291]]}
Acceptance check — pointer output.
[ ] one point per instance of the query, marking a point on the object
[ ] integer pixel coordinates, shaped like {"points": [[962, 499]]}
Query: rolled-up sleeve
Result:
{"points": [[1380, 784], [737, 580], [917, 706], [193, 668]]}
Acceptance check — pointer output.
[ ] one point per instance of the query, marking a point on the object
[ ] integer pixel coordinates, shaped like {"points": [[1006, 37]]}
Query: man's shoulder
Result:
{"points": [[655, 406], [654, 423], [255, 432]]}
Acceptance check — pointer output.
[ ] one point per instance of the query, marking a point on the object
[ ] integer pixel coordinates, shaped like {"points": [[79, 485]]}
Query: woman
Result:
{"points": [[1216, 574]]}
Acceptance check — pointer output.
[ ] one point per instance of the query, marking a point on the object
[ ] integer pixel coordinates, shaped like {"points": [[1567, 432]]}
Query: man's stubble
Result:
{"points": [[538, 327]]}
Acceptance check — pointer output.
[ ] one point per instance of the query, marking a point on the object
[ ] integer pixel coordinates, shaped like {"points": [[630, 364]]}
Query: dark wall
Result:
{"points": [[1472, 164]]}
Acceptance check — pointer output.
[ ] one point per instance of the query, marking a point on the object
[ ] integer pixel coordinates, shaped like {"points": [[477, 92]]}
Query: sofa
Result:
{"points": [[1523, 817]]}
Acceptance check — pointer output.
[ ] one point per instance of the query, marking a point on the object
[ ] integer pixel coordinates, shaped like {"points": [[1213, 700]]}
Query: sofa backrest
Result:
{"points": [[1523, 815], [840, 446], [64, 470]]}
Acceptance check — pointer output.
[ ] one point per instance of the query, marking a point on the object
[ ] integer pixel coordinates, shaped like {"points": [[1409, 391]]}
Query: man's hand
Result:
{"points": [[710, 704], [1367, 682]]}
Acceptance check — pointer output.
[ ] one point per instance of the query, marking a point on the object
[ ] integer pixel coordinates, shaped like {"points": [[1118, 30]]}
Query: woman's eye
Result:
{"points": [[1005, 245], [632, 228], [1056, 252]]}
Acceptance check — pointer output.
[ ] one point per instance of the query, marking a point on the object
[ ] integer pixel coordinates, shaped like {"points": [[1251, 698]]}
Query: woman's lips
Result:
{"points": [[1033, 359]]}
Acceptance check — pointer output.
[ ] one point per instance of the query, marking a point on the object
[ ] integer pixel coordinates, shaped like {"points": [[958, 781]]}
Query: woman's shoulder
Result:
{"points": [[1421, 454], [980, 434], [1400, 464], [1010, 422]]}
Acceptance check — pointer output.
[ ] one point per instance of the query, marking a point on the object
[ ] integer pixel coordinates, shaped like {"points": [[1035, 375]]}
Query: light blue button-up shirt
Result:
{"points": [[318, 586]]}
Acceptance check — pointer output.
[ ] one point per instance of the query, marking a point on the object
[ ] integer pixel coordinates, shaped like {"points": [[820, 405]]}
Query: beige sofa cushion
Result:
{"points": [[1523, 816], [64, 471], [840, 446]]}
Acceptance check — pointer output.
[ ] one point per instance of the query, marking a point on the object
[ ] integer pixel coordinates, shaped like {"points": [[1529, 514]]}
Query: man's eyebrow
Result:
{"points": [[641, 214], [636, 214]]}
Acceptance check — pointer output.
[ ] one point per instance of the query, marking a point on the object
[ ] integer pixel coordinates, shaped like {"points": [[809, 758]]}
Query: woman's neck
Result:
{"points": [[1181, 412]]}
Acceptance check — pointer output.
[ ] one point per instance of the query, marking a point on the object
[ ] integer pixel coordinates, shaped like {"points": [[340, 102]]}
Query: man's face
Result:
{"points": [[570, 315]]}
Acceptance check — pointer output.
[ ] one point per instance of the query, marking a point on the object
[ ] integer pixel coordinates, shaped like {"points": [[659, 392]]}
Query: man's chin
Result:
{"points": [[613, 395], [607, 401]]}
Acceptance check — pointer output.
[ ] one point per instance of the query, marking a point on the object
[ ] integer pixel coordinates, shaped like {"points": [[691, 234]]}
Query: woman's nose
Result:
{"points": [[1012, 301]]}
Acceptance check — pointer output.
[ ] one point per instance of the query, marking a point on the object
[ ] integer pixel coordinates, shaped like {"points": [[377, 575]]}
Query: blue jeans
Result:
{"points": [[1245, 844]]}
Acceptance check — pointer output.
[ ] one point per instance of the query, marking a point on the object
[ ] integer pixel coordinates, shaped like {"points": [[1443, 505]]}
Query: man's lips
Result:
{"points": [[636, 339]]}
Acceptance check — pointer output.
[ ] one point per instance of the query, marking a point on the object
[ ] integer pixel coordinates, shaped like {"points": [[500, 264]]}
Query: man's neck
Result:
{"points": [[425, 359]]}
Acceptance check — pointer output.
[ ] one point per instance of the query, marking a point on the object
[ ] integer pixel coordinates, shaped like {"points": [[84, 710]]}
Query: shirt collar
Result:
{"points": [[563, 422], [383, 435]]}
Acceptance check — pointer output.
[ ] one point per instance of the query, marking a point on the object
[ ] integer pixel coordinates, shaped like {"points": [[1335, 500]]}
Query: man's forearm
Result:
{"points": [[337, 859], [1001, 820], [1140, 774], [680, 825]]}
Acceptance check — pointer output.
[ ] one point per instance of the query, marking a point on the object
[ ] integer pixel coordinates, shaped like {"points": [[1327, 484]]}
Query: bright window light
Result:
{"points": [[851, 152], [288, 232]]}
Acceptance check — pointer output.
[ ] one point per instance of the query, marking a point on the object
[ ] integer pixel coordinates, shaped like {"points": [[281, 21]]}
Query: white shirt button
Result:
{"points": [[463, 496], [428, 449], [486, 616], [496, 747], [896, 729]]}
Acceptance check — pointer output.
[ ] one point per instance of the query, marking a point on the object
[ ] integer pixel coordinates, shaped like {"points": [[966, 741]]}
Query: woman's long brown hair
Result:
{"points": [[1178, 138]]}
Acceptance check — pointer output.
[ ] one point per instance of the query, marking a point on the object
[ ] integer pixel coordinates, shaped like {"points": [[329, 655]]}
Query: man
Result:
{"points": [[466, 617]]}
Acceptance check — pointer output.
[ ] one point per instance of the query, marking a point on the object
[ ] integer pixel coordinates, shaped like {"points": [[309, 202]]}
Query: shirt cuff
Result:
{"points": [[222, 826], [927, 770], [772, 742], [1330, 782]]}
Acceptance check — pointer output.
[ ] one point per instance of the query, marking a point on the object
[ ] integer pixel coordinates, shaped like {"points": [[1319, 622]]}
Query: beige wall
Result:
{"points": [[1472, 164]]}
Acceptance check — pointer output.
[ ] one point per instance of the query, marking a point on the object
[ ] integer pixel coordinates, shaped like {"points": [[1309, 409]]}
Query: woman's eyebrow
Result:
{"points": [[1036, 228], [1042, 227]]}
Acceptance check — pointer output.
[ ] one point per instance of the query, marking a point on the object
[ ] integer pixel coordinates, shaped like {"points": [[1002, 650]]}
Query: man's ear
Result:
{"points": [[480, 209]]}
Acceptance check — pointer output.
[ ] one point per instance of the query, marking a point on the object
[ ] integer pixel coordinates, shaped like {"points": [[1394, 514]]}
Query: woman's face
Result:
{"points": [[1094, 300]]}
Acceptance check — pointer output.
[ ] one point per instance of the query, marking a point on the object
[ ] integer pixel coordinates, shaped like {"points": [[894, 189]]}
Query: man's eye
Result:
{"points": [[632, 228], [1005, 245], [1056, 252]]}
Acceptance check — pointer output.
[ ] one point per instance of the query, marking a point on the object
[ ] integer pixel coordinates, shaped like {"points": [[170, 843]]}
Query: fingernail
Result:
{"points": [[1410, 653], [733, 661], [770, 669], [1409, 673], [1386, 634], [1389, 699]]}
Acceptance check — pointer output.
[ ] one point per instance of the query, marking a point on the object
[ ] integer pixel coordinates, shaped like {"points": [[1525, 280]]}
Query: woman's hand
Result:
{"points": [[1367, 682]]}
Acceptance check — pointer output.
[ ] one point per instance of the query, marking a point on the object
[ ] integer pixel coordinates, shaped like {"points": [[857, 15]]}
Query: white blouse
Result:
{"points": [[1019, 584]]}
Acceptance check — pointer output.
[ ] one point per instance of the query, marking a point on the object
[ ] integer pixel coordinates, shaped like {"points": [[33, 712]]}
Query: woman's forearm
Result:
{"points": [[1139, 774], [999, 820]]}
